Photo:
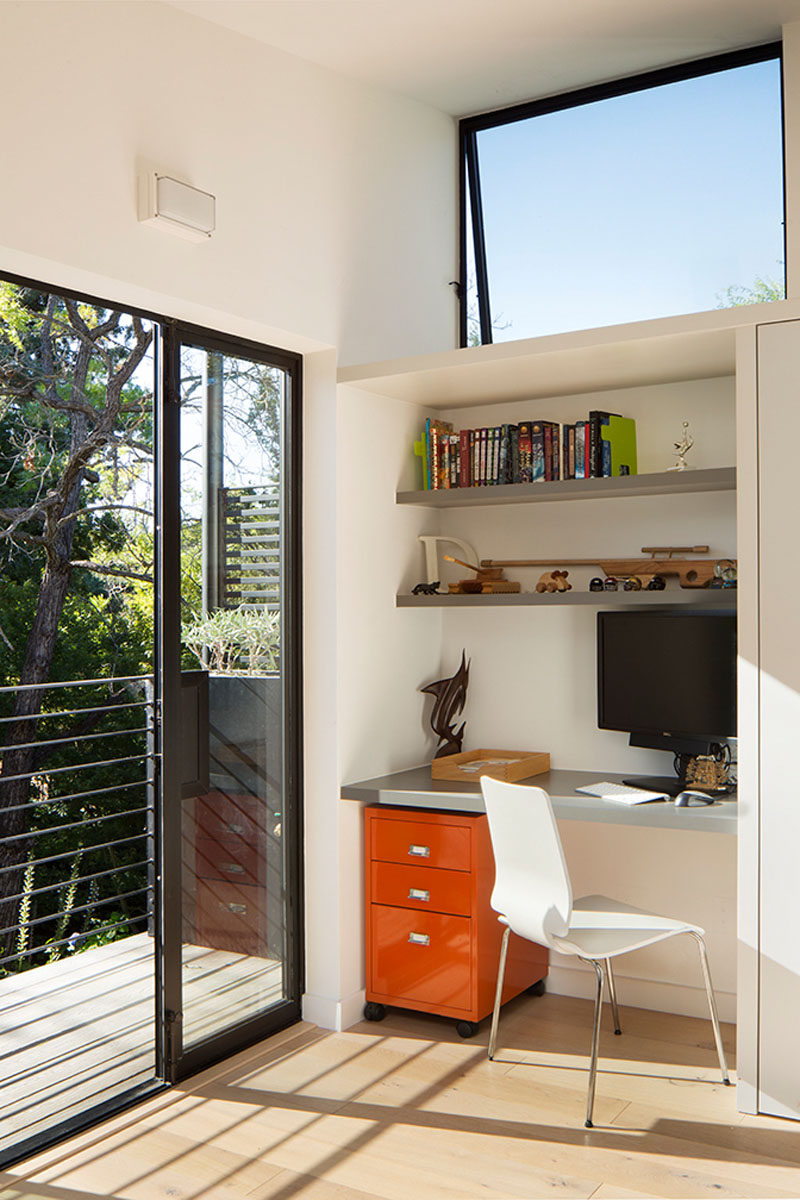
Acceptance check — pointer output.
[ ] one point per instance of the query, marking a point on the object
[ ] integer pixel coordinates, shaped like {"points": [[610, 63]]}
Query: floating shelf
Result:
{"points": [[661, 483], [699, 597]]}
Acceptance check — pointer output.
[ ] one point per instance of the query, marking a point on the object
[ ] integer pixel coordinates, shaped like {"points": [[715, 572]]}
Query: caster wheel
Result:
{"points": [[466, 1029], [373, 1011], [536, 989]]}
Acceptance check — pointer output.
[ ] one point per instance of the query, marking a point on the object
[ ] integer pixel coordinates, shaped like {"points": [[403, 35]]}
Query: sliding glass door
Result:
{"points": [[230, 691]]}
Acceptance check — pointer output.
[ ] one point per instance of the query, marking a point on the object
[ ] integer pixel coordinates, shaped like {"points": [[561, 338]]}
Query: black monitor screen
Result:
{"points": [[667, 673]]}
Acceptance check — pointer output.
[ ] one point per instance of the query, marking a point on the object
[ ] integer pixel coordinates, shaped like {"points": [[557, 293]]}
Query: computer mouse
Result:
{"points": [[689, 799]]}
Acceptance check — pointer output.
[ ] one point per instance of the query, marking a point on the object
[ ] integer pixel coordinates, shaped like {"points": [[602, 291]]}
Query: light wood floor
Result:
{"points": [[80, 1031], [405, 1110]]}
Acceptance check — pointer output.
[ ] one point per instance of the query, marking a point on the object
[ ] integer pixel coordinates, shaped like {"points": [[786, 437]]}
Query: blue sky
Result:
{"points": [[639, 206]]}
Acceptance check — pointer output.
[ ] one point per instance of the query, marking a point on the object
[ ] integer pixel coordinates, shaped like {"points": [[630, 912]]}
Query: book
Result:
{"points": [[547, 430], [597, 420], [514, 439], [433, 431], [537, 453], [504, 475], [557, 449], [465, 461], [421, 452], [620, 433], [580, 460], [525, 475], [444, 460]]}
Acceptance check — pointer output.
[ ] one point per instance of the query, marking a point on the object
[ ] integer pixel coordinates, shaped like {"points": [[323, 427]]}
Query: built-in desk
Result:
{"points": [[414, 788]]}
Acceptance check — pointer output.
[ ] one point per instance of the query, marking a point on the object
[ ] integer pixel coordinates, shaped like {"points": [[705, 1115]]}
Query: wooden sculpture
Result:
{"points": [[449, 696]]}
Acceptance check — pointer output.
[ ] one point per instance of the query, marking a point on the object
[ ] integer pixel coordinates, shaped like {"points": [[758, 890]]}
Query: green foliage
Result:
{"points": [[235, 641], [47, 408], [762, 291]]}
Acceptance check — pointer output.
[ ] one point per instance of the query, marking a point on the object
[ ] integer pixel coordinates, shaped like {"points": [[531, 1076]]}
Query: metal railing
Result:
{"points": [[76, 817]]}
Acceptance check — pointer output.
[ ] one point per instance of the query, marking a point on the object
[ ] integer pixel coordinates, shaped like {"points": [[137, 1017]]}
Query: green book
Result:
{"points": [[620, 433]]}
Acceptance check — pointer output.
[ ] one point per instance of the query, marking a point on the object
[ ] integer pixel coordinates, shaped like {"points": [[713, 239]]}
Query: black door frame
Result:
{"points": [[169, 1066], [176, 1063]]}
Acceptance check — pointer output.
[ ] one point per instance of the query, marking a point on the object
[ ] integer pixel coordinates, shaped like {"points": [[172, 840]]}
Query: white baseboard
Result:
{"points": [[328, 1013], [657, 995]]}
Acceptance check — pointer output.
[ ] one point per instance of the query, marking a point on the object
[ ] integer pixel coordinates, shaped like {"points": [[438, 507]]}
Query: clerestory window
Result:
{"points": [[645, 197]]}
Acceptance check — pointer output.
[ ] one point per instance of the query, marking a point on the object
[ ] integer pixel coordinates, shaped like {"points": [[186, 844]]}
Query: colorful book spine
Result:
{"points": [[597, 420], [505, 454], [525, 448], [580, 460], [464, 458], [548, 451], [514, 440], [538, 469]]}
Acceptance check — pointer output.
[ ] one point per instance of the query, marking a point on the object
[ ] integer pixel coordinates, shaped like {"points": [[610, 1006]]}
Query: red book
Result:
{"points": [[466, 472]]}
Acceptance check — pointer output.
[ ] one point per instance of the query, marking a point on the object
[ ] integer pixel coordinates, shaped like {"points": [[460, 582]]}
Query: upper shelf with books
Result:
{"points": [[661, 483], [667, 350]]}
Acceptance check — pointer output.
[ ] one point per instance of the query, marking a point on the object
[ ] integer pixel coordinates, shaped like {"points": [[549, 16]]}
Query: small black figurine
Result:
{"points": [[595, 585], [657, 584], [425, 589], [450, 695]]}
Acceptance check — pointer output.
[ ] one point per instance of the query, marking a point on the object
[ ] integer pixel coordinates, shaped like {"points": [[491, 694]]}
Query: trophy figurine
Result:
{"points": [[682, 448]]}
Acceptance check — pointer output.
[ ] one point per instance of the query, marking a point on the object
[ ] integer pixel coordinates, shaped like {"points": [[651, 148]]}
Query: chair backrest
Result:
{"points": [[532, 888]]}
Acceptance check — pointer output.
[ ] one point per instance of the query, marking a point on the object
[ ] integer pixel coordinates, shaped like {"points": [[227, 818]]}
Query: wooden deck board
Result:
{"points": [[80, 1031]]}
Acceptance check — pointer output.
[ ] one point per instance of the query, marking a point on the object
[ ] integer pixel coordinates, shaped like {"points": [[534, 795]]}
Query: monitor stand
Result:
{"points": [[670, 784]]}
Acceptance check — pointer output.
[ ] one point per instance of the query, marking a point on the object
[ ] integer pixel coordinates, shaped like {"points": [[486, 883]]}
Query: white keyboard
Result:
{"points": [[620, 793]]}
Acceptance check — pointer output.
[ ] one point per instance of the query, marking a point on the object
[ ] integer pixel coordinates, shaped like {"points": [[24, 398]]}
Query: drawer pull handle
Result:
{"points": [[419, 939], [236, 908], [234, 828], [418, 894], [233, 868], [419, 851]]}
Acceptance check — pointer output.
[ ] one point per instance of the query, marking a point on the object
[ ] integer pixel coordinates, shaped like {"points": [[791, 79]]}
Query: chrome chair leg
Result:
{"points": [[598, 1006], [612, 995], [501, 971], [712, 1005]]}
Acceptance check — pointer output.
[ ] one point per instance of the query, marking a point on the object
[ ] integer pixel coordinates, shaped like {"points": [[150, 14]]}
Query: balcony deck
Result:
{"points": [[79, 1032]]}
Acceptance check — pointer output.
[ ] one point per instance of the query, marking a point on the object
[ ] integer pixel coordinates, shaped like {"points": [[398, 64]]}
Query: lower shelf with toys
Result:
{"points": [[724, 598]]}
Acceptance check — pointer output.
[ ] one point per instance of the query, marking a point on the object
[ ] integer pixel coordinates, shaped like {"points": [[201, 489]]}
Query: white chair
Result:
{"points": [[533, 897]]}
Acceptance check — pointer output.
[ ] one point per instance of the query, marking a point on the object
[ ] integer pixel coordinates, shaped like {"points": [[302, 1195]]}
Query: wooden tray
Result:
{"points": [[513, 765]]}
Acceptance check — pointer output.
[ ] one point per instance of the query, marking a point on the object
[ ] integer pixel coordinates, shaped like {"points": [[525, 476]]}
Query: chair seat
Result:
{"points": [[602, 928]]}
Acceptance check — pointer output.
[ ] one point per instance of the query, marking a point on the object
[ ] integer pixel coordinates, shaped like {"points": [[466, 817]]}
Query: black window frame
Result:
{"points": [[469, 166]]}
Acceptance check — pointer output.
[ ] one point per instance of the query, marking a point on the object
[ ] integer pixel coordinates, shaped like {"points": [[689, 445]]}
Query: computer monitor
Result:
{"points": [[668, 679]]}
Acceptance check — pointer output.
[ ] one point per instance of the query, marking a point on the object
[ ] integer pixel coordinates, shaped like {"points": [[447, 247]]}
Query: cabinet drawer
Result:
{"points": [[430, 890], [230, 917], [229, 858], [421, 957], [427, 845], [221, 814]]}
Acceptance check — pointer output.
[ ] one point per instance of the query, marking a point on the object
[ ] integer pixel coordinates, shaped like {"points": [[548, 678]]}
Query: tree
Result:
{"points": [[762, 291], [73, 417]]}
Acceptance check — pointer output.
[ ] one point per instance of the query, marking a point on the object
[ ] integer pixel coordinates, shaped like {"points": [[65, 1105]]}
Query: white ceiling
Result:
{"points": [[467, 56]]}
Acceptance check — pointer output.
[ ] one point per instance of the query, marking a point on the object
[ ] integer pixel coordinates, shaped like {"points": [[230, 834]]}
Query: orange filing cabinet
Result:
{"points": [[433, 941]]}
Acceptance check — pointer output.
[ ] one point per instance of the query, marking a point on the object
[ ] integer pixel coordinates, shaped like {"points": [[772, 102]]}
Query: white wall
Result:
{"points": [[336, 236], [335, 202]]}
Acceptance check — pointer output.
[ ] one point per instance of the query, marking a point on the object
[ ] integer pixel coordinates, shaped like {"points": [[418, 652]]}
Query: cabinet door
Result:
{"points": [[779, 701]]}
